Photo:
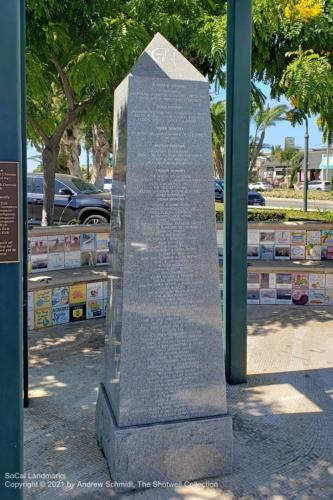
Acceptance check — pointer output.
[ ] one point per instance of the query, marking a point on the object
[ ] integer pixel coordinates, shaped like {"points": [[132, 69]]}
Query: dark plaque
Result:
{"points": [[9, 213]]}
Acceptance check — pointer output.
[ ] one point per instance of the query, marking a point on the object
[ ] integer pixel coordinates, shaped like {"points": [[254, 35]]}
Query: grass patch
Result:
{"points": [[298, 195], [280, 215]]}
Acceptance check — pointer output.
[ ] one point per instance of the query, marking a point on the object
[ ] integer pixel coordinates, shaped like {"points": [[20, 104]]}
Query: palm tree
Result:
{"points": [[264, 118], [217, 111]]}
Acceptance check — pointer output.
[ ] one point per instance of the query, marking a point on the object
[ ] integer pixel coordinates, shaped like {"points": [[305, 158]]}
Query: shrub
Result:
{"points": [[281, 215]]}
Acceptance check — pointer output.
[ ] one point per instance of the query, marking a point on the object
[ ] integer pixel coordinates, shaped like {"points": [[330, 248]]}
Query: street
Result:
{"points": [[291, 203]]}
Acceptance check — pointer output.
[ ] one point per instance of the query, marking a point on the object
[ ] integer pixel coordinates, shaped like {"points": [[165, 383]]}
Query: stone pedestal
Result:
{"points": [[161, 410]]}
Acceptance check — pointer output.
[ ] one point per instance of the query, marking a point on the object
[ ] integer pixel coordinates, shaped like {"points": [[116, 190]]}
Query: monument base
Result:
{"points": [[183, 450]]}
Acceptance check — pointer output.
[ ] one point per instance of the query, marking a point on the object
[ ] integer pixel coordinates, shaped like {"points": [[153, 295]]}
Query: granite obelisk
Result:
{"points": [[161, 409]]}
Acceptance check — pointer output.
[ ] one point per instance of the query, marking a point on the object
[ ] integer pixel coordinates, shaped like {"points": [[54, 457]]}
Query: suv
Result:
{"points": [[74, 199], [319, 185]]}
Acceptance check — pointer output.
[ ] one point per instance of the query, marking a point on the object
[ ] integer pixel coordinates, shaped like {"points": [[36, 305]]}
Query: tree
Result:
{"points": [[264, 118], [79, 51], [218, 135], [66, 72]]}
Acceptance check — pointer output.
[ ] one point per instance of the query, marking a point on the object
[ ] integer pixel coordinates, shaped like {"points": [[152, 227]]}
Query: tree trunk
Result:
{"points": [[101, 150], [50, 157], [70, 144], [218, 162], [256, 151]]}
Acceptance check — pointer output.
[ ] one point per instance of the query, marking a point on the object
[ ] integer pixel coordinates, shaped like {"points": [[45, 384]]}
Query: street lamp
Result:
{"points": [[306, 164]]}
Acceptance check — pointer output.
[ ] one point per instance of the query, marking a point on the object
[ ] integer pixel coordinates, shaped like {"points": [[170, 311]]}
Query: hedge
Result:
{"points": [[280, 215], [298, 195]]}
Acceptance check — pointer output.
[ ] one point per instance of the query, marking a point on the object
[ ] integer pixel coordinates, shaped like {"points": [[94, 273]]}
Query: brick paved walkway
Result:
{"points": [[282, 418]]}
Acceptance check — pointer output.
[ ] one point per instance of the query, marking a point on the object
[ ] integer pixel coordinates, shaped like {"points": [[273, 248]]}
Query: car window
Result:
{"points": [[85, 187], [58, 185], [29, 185], [37, 185]]}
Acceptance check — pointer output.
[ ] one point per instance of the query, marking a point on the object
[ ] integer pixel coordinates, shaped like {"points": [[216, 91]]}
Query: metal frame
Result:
{"points": [[236, 189]]}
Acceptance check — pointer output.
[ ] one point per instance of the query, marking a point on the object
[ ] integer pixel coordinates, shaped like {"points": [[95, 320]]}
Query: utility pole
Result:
{"points": [[236, 189], [12, 254], [306, 164]]}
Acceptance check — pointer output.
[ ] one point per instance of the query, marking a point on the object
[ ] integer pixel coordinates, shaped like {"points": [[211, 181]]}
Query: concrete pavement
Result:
{"points": [[282, 417]]}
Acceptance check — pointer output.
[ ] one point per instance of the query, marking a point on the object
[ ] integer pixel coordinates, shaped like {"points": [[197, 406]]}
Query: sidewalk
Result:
{"points": [[282, 418]]}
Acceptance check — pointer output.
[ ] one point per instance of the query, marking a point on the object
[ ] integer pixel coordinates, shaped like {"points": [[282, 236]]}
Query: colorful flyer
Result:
{"points": [[30, 301], [313, 237], [300, 296], [77, 313], [329, 296], [94, 309], [313, 252], [95, 290], [264, 280], [297, 252], [317, 297], [31, 320], [77, 293], [267, 296], [253, 237], [102, 256], [72, 259], [253, 280], [329, 281], [219, 236], [88, 258], [282, 252], [327, 236], [283, 296], [253, 252], [60, 315], [87, 241], [42, 298], [60, 296], [43, 318], [56, 261], [298, 237], [56, 243], [38, 245], [266, 252], [253, 297], [300, 280], [316, 281], [283, 280], [72, 242], [272, 280], [39, 263], [282, 237], [267, 236]]}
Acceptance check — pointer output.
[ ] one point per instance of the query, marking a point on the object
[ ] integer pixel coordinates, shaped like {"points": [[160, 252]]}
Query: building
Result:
{"points": [[318, 165]]}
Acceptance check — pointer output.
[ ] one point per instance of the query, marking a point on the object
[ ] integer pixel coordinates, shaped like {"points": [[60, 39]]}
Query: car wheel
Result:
{"points": [[95, 219]]}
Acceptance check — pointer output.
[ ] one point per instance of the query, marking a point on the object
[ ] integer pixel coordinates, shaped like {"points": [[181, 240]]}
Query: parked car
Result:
{"points": [[218, 192], [107, 184], [319, 185], [255, 198], [220, 182], [74, 199], [263, 186]]}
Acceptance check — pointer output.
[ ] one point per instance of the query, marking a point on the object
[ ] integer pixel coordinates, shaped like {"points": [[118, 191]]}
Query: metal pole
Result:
{"points": [[236, 189], [11, 274], [24, 216], [88, 163], [306, 164], [327, 158]]}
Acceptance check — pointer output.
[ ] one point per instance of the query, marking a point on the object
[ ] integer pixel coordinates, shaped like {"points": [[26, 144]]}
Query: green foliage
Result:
{"points": [[283, 215], [298, 195]]}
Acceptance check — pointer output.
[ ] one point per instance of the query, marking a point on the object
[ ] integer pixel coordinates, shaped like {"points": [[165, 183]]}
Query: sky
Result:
{"points": [[274, 135]]}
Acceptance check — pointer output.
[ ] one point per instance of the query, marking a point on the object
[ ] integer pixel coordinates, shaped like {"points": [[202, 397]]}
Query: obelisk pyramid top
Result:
{"points": [[161, 59]]}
